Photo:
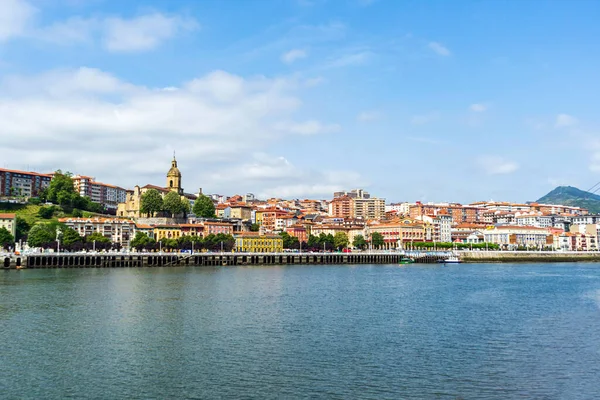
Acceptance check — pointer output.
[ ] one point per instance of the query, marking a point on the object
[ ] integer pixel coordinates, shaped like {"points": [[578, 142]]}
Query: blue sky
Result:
{"points": [[412, 100]]}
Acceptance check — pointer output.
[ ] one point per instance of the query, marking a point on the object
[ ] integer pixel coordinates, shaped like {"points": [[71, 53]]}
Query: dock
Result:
{"points": [[136, 260]]}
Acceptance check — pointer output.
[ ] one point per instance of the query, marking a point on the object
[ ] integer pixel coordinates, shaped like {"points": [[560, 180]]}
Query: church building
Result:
{"points": [[131, 207]]}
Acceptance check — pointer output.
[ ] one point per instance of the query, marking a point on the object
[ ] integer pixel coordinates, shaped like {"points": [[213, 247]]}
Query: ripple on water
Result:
{"points": [[474, 331]]}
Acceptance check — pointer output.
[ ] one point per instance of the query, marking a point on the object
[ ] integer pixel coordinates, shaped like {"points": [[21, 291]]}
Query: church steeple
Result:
{"points": [[174, 177]]}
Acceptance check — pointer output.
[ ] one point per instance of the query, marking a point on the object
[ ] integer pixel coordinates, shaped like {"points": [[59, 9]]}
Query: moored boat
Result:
{"points": [[406, 260], [450, 260]]}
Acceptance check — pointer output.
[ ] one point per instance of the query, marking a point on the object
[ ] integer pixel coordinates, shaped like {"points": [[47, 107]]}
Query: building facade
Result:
{"points": [[117, 230], [102, 193], [15, 183], [9, 221], [252, 242]]}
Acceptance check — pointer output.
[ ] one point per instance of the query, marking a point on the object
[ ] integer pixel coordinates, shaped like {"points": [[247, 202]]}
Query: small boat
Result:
{"points": [[406, 260], [450, 260]]}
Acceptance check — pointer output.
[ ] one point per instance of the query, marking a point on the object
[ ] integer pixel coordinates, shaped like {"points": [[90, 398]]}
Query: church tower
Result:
{"points": [[174, 178]]}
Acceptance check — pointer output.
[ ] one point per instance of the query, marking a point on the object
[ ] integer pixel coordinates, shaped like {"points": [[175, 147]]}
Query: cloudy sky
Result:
{"points": [[411, 100]]}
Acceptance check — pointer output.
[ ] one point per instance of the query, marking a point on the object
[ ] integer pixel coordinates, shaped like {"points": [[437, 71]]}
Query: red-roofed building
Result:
{"points": [[21, 183], [9, 221]]}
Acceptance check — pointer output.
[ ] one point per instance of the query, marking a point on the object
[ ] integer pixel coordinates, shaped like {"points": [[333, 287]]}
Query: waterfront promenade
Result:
{"points": [[136, 260]]}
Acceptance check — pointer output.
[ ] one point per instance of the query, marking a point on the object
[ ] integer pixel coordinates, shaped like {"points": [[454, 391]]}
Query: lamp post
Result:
{"points": [[221, 247], [192, 247], [94, 246], [160, 247]]}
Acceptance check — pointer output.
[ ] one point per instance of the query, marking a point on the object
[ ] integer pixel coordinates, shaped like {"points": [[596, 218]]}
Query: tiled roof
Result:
{"points": [[7, 216], [16, 171]]}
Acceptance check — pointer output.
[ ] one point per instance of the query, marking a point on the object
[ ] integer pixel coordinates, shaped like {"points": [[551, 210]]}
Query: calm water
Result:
{"points": [[339, 332]]}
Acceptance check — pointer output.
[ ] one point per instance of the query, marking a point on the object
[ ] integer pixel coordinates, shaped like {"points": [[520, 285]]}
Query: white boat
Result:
{"points": [[451, 260]]}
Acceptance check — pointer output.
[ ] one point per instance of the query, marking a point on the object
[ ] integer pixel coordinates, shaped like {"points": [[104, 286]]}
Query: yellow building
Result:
{"points": [[9, 221], [167, 232], [251, 242]]}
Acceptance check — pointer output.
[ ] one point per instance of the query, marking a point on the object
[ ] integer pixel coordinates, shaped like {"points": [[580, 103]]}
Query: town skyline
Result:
{"points": [[424, 101]]}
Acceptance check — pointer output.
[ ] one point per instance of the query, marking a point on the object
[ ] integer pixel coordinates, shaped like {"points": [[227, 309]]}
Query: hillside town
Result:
{"points": [[355, 218]]}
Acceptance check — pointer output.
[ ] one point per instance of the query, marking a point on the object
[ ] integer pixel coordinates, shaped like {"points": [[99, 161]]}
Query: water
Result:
{"points": [[371, 332]]}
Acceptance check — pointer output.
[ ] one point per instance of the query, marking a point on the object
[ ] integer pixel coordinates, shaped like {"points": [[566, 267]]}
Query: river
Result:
{"points": [[471, 331]]}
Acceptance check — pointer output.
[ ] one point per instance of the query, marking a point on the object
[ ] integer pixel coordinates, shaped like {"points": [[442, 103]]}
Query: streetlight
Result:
{"points": [[94, 246], [160, 247], [221, 247], [58, 232], [192, 247]]}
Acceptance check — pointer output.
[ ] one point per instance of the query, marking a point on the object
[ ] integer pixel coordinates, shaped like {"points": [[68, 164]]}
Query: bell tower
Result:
{"points": [[174, 178]]}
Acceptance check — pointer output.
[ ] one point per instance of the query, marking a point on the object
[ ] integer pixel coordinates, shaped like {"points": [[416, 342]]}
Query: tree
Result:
{"points": [[142, 241], [6, 238], [22, 228], [204, 207], [359, 242], [42, 235], [254, 228], [172, 203], [152, 202], [289, 242], [377, 239], [77, 213], [97, 237], [340, 240], [185, 206], [70, 238], [61, 190], [46, 212]]}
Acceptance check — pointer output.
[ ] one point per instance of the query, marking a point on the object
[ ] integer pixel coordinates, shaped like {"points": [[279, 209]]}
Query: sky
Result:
{"points": [[439, 101]]}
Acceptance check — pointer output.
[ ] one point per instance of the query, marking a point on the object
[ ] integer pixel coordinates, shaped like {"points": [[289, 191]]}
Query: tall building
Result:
{"points": [[108, 195], [21, 183], [369, 208]]}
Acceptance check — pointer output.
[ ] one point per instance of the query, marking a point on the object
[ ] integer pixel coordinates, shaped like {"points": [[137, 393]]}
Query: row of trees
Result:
{"points": [[153, 202], [328, 242], [49, 235], [212, 242], [450, 245]]}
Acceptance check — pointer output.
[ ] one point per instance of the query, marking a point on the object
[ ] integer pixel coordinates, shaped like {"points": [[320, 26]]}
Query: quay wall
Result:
{"points": [[529, 256], [201, 259]]}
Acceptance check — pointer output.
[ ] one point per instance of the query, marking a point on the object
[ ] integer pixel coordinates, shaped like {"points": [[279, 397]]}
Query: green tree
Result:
{"points": [[359, 242], [42, 235], [77, 213], [254, 228], [61, 190], [289, 242], [340, 240], [152, 202], [98, 238], [46, 212], [142, 241], [172, 203], [6, 238], [377, 240], [204, 207], [185, 206], [313, 242], [22, 228], [70, 237]]}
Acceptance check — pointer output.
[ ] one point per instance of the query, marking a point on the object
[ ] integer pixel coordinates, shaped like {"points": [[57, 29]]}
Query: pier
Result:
{"points": [[206, 259]]}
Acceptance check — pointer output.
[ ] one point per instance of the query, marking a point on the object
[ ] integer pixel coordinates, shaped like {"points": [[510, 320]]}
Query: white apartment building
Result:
{"points": [[400, 208], [117, 230], [102, 193], [513, 236], [538, 221]]}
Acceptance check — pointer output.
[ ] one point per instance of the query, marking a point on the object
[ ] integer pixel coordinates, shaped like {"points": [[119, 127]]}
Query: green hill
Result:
{"points": [[571, 196]]}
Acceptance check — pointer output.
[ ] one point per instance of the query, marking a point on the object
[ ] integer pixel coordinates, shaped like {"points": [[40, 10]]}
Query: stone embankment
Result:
{"points": [[529, 256]]}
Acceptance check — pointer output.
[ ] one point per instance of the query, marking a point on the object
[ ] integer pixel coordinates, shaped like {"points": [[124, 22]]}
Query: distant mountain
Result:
{"points": [[571, 196]]}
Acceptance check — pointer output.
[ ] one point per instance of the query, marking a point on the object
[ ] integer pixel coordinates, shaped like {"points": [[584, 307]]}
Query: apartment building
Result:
{"points": [[108, 195], [117, 230], [22, 183], [401, 233], [342, 207], [514, 236], [538, 221]]}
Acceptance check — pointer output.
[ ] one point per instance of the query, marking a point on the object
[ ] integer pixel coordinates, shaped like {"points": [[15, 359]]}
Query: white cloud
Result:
{"points": [[15, 18], [74, 30], [144, 32], [293, 55], [496, 165], [275, 173], [347, 60], [311, 127], [424, 118], [367, 116], [478, 107], [565, 120], [439, 49], [91, 122]]}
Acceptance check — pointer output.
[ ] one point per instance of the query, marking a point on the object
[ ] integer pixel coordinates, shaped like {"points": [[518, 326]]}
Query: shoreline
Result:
{"points": [[137, 260]]}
